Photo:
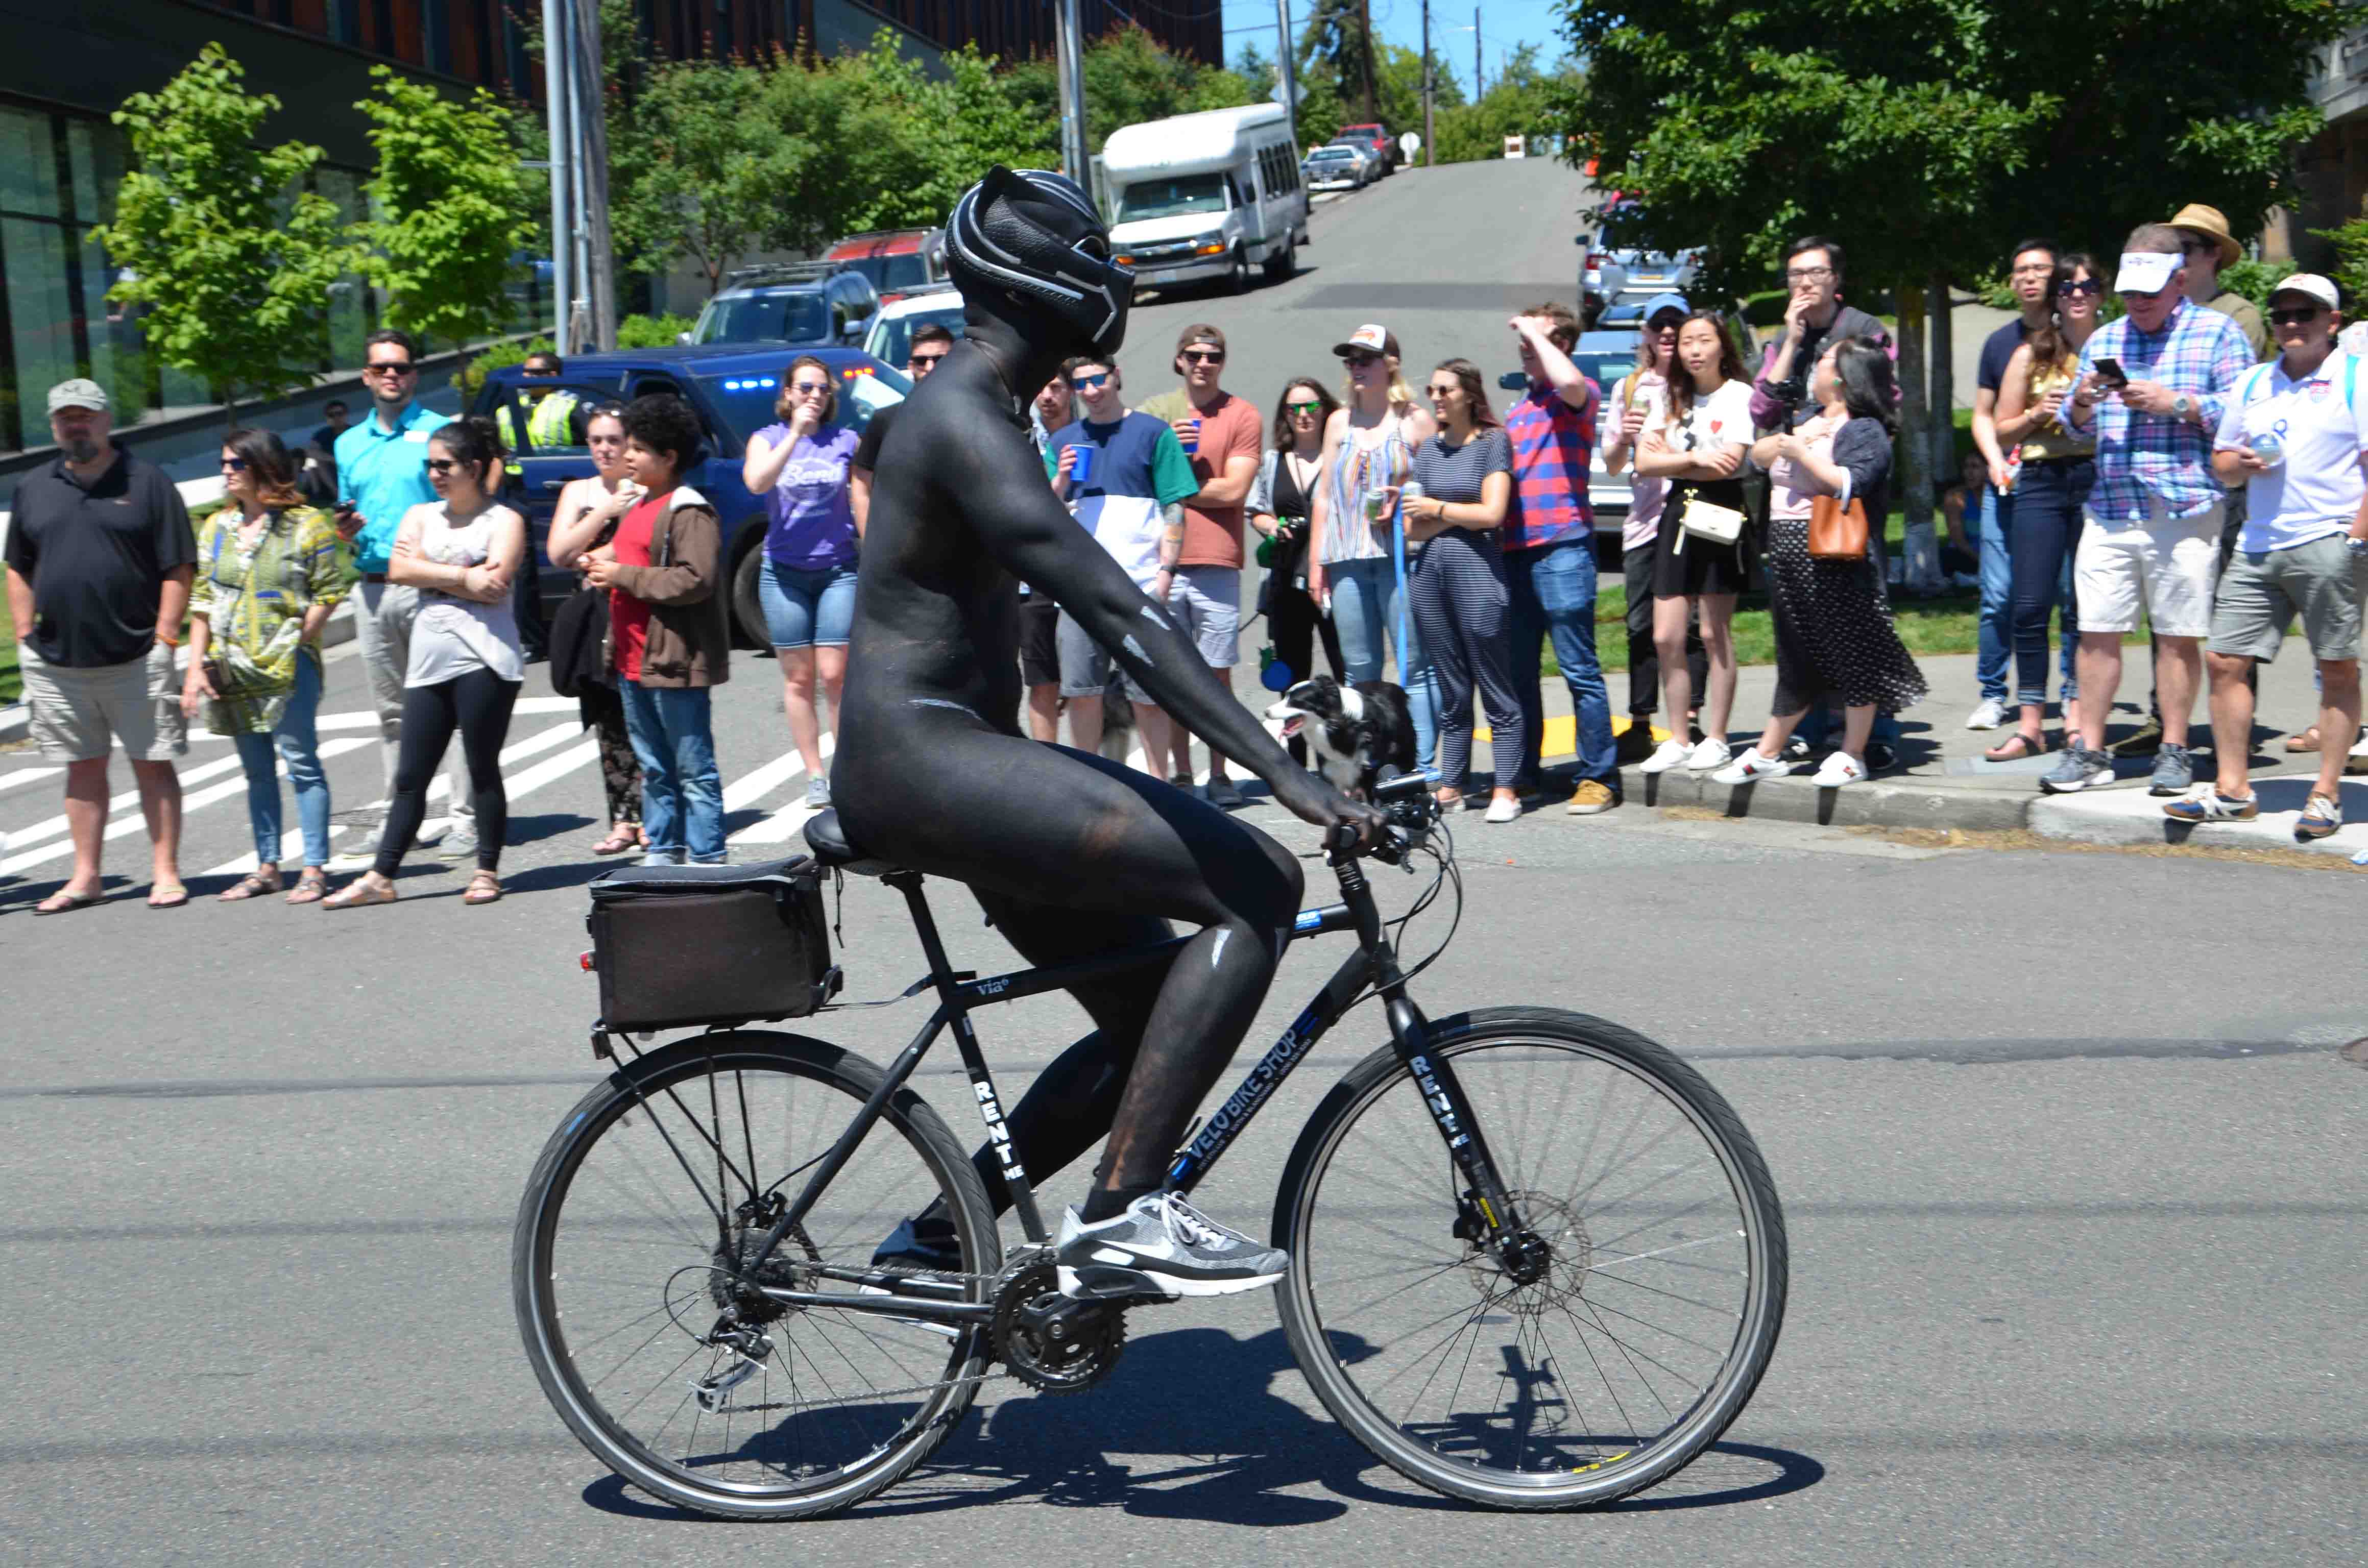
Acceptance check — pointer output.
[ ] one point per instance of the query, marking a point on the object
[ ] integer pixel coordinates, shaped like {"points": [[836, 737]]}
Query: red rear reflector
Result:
{"points": [[584, 961]]}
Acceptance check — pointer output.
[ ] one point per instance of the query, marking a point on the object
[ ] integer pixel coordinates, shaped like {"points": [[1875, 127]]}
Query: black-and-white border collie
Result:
{"points": [[1350, 731]]}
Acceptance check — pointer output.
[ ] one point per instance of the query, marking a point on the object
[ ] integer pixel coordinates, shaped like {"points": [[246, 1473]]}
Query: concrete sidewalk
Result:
{"points": [[1944, 780]]}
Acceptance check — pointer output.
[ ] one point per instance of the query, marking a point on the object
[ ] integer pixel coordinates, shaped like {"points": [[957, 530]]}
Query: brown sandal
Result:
{"points": [[2032, 745], [311, 888], [2306, 740], [620, 839], [484, 888], [355, 894], [254, 884]]}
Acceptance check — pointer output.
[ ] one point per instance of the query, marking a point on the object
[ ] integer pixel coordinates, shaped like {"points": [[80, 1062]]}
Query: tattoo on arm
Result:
{"points": [[1171, 539]]}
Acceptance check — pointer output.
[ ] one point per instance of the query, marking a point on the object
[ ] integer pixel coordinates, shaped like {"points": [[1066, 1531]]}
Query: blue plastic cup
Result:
{"points": [[1193, 438], [1081, 466]]}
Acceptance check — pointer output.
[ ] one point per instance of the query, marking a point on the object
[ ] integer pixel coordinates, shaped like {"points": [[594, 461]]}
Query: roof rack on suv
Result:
{"points": [[782, 272]]}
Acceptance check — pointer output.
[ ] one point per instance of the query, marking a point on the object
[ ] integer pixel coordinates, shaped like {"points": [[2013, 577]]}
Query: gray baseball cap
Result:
{"points": [[78, 393]]}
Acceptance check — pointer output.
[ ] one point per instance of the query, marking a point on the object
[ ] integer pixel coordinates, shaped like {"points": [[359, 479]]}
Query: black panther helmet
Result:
{"points": [[1033, 238]]}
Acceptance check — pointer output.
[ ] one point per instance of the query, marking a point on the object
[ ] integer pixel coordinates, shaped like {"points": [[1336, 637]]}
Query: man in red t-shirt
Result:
{"points": [[1222, 435]]}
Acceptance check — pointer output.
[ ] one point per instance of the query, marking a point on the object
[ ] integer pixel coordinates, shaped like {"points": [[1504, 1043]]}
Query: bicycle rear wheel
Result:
{"points": [[654, 1192], [1652, 1323]]}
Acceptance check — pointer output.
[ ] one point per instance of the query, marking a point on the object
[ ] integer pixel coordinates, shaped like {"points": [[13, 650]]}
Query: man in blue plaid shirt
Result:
{"points": [[2151, 386]]}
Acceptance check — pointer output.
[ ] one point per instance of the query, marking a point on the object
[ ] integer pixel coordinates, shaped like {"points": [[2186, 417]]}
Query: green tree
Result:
{"points": [[449, 209], [1522, 101], [908, 143], [715, 170], [1130, 77], [1339, 33], [217, 237]]}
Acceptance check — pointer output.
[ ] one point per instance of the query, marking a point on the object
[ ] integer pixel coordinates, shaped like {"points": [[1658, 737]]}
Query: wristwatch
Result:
{"points": [[2182, 406]]}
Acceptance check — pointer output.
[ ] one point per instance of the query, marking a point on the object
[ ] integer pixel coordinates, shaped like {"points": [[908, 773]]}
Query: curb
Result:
{"points": [[17, 717], [2129, 817], [1900, 803]]}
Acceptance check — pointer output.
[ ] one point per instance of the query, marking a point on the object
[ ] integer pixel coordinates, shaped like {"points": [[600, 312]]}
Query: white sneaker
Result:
{"points": [[1839, 768], [1751, 764], [1668, 754], [1711, 752], [1989, 716], [1503, 811], [2361, 747]]}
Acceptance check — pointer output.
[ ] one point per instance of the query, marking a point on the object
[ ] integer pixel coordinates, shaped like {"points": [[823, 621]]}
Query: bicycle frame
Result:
{"points": [[1372, 966]]}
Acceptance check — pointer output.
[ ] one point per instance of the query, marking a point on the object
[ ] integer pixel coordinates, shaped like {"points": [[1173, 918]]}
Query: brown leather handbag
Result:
{"points": [[1836, 530]]}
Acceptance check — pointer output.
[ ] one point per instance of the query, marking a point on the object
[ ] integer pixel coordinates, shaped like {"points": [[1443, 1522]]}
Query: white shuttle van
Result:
{"points": [[1207, 196]]}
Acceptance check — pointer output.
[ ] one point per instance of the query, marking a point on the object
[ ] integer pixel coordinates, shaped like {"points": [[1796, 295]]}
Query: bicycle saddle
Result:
{"points": [[831, 847]]}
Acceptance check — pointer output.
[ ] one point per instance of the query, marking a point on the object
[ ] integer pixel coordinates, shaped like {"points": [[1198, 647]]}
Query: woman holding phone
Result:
{"points": [[2057, 466], [1278, 506], [1698, 446]]}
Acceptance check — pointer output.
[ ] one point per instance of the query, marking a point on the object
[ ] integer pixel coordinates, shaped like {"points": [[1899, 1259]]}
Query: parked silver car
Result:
{"points": [[1602, 276], [1333, 168]]}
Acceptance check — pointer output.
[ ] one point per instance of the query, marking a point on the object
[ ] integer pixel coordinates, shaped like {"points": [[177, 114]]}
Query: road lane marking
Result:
{"points": [[49, 826], [28, 776], [134, 822], [775, 827]]}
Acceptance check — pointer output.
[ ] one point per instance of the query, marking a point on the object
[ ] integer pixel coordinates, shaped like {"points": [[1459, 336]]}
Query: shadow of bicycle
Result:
{"points": [[1204, 1437]]}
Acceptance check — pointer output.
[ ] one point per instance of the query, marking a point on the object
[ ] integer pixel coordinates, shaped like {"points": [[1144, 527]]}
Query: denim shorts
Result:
{"points": [[806, 609]]}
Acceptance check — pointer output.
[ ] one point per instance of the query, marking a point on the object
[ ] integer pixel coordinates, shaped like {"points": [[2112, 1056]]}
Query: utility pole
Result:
{"points": [[1068, 51], [555, 79], [599, 286], [1289, 69], [1430, 134], [1479, 84]]}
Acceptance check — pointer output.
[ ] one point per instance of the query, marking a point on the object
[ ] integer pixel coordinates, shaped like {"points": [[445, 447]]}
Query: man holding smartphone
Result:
{"points": [[381, 474], [2153, 387]]}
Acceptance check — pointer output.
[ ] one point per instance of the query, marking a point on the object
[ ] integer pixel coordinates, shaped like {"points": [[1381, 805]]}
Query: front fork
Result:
{"points": [[1499, 1228]]}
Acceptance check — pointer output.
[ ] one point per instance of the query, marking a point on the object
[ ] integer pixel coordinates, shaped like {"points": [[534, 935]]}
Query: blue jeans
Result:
{"points": [[295, 743], [1365, 613], [1995, 642], [682, 794], [1553, 592]]}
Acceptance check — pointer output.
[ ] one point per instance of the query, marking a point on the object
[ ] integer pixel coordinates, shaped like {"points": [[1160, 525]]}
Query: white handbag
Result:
{"points": [[1709, 520]]}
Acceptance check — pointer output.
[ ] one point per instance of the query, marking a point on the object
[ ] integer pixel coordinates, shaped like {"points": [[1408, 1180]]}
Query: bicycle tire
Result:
{"points": [[1600, 1457], [615, 1174]]}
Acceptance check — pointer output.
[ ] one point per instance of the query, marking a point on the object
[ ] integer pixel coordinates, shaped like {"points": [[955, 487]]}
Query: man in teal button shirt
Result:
{"points": [[381, 474]]}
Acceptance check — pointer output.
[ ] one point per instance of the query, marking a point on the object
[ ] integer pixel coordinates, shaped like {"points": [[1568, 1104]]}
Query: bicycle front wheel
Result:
{"points": [[647, 1205], [1656, 1312]]}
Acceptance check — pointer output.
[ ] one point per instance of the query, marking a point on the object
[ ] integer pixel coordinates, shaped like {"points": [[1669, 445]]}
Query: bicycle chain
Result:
{"points": [[867, 1395]]}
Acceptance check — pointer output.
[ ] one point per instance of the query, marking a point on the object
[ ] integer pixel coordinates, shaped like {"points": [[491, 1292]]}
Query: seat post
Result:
{"points": [[956, 1006]]}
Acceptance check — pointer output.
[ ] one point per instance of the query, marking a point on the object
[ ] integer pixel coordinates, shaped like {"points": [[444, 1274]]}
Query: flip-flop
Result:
{"points": [[179, 897], [618, 841], [66, 903], [2306, 740], [2029, 748]]}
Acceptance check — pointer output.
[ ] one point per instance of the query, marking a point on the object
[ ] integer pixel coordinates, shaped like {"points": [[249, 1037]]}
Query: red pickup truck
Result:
{"points": [[1380, 139]]}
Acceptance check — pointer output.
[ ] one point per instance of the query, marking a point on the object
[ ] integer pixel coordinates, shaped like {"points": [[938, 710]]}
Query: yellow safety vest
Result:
{"points": [[550, 423]]}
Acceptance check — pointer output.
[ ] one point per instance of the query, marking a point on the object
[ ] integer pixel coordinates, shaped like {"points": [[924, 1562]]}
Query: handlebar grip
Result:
{"points": [[1340, 838]]}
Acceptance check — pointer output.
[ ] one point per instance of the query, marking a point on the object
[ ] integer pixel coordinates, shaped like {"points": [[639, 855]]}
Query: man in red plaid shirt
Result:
{"points": [[1549, 545]]}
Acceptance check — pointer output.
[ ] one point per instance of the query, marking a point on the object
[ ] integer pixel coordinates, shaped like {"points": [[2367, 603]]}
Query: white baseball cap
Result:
{"points": [[2147, 271], [2311, 287]]}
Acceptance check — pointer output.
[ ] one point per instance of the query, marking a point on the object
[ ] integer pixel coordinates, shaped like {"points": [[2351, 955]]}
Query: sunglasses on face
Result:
{"points": [[926, 359], [391, 368], [442, 465], [1090, 384], [1310, 407], [2295, 317], [234, 465], [809, 389], [2086, 286], [1204, 356], [1443, 391], [1360, 360]]}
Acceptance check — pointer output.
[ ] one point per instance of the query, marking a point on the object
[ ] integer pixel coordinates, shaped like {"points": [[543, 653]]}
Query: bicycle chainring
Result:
{"points": [[1049, 1341]]}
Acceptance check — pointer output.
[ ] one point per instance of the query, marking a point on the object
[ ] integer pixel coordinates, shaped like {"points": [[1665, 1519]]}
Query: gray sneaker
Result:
{"points": [[1222, 794], [817, 793], [459, 841], [2174, 771], [1164, 1247], [2077, 769]]}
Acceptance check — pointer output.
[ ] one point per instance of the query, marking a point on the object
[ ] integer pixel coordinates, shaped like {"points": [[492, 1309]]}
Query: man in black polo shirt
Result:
{"points": [[100, 558]]}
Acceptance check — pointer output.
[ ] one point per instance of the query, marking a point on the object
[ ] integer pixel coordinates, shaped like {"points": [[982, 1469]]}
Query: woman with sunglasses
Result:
{"points": [[802, 467], [1279, 507], [2056, 464], [585, 519], [1459, 597], [1698, 446], [1353, 538], [267, 577], [461, 553]]}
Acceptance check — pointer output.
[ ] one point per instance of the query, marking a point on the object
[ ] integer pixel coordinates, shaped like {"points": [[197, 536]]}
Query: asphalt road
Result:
{"points": [[2069, 1159]]}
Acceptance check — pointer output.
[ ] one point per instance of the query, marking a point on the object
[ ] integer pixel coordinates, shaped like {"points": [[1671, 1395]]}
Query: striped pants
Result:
{"points": [[1460, 615]]}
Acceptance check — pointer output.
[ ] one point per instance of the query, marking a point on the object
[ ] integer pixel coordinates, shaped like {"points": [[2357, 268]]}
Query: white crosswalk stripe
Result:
{"points": [[28, 776], [50, 827], [776, 827], [132, 821]]}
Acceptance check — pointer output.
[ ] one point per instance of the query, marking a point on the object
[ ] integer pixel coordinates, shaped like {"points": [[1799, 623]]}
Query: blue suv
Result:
{"points": [[732, 387]]}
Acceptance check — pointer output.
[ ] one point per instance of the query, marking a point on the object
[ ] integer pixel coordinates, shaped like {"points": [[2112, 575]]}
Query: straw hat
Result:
{"points": [[2197, 219]]}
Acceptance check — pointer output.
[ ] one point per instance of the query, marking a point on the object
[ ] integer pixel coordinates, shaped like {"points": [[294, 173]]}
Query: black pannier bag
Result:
{"points": [[675, 945]]}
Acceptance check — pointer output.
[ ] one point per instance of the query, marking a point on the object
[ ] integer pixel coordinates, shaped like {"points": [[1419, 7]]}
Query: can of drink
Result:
{"points": [[1081, 465], [1409, 491], [1191, 437], [2271, 448], [1377, 504]]}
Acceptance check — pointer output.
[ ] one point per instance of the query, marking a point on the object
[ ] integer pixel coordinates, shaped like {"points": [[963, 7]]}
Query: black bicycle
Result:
{"points": [[1536, 1261]]}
